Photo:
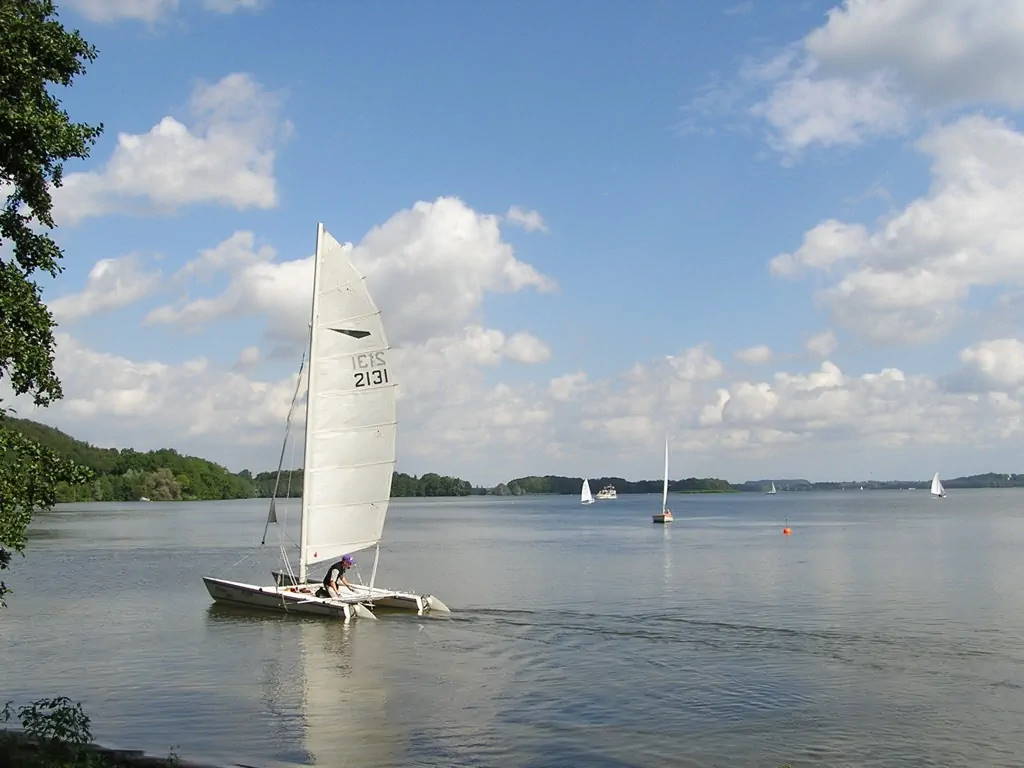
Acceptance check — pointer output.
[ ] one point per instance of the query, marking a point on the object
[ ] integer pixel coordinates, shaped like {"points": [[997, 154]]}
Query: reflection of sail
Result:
{"points": [[344, 698], [667, 557], [322, 696]]}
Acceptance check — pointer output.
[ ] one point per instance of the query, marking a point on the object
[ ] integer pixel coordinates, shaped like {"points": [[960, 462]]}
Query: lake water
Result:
{"points": [[887, 630]]}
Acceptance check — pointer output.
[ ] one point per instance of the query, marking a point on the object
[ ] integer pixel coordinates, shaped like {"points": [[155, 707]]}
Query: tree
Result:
{"points": [[36, 137]]}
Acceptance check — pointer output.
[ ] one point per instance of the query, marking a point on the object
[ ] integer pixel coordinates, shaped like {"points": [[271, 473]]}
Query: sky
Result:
{"points": [[787, 235]]}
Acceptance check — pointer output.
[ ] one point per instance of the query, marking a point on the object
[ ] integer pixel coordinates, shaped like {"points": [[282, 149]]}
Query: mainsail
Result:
{"points": [[664, 486], [586, 497], [937, 489], [350, 413]]}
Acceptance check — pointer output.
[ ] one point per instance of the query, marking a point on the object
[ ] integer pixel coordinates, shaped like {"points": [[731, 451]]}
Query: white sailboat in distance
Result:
{"points": [[586, 497], [772, 490], [937, 490], [666, 513], [349, 451]]}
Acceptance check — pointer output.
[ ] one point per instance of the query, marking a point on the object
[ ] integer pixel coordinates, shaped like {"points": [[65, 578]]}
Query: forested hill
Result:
{"points": [[402, 484], [166, 475], [127, 475]]}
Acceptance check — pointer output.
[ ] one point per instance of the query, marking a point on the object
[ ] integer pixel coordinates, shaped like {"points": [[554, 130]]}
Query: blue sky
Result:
{"points": [[787, 234]]}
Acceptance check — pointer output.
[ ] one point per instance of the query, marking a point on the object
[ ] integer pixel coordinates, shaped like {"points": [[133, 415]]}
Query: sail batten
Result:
{"points": [[351, 424]]}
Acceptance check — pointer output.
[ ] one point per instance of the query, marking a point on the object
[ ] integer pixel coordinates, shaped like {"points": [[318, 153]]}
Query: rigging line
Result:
{"points": [[282, 530], [244, 558], [284, 444]]}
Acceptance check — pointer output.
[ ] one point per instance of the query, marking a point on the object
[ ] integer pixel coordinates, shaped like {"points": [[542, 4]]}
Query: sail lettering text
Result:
{"points": [[369, 378], [366, 360]]}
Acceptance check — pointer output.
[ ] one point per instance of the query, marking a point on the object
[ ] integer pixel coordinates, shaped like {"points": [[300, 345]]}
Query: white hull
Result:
{"points": [[302, 599]]}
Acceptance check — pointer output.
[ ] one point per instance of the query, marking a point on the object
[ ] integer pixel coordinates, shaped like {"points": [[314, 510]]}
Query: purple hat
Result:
{"points": [[347, 559]]}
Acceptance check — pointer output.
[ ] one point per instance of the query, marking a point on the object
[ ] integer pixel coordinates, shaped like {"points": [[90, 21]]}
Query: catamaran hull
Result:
{"points": [[302, 599]]}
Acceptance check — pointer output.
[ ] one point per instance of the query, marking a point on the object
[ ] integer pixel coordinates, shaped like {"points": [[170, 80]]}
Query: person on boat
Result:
{"points": [[335, 578]]}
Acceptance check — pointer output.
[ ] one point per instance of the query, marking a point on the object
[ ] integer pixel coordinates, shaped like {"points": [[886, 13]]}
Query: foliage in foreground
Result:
{"points": [[28, 482], [60, 731], [36, 137]]}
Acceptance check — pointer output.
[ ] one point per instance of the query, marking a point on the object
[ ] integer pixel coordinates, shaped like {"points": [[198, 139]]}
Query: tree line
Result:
{"points": [[109, 474], [429, 484], [572, 485]]}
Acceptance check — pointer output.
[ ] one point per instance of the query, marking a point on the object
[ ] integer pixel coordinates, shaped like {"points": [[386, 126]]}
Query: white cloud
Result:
{"points": [[113, 400], [236, 251], [740, 9], [453, 418], [526, 348], [230, 6], [755, 355], [998, 362], [829, 243], [750, 403], [827, 377], [226, 157], [151, 11], [531, 221], [112, 283], [876, 63], [248, 357], [907, 280], [112, 10], [695, 364], [565, 388], [281, 291], [429, 269], [803, 111], [822, 344]]}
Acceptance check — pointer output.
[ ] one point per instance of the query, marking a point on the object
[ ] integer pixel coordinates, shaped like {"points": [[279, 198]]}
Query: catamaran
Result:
{"points": [[666, 513], [937, 490], [585, 496], [349, 453]]}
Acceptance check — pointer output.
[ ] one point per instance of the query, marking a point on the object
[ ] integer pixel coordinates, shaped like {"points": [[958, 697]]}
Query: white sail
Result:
{"points": [[585, 496], [773, 488], [664, 485], [937, 489], [350, 413]]}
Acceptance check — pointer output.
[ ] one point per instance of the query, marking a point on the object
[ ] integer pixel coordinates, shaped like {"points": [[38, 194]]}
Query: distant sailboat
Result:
{"points": [[585, 495], [666, 513], [937, 490], [772, 490]]}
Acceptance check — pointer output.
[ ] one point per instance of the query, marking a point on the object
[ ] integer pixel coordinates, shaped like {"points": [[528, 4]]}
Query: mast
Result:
{"points": [[664, 485], [306, 479]]}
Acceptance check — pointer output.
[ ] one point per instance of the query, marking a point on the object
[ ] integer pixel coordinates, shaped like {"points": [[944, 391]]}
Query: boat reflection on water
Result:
{"points": [[323, 698]]}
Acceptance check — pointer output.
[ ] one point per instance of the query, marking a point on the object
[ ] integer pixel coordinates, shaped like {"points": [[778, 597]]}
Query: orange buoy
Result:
{"points": [[786, 531]]}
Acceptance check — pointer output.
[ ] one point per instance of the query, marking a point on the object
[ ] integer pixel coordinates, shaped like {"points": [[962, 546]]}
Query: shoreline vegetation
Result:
{"points": [[166, 475]]}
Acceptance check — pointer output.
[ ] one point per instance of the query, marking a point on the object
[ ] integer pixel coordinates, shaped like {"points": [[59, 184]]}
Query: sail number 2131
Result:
{"points": [[370, 369]]}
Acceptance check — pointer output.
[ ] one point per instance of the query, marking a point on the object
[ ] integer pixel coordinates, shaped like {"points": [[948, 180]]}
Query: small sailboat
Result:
{"points": [[666, 513], [349, 455], [937, 490], [585, 496], [772, 490]]}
